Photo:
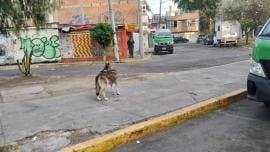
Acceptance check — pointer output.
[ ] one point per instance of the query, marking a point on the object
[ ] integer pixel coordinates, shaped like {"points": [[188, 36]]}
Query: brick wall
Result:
{"points": [[94, 11]]}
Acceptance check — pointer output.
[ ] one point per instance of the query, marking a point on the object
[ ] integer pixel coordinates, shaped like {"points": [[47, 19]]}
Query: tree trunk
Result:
{"points": [[25, 66], [104, 53], [247, 35], [211, 23]]}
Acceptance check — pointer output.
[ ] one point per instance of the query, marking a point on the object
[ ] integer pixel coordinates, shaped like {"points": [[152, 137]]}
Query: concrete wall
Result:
{"points": [[44, 43], [136, 40]]}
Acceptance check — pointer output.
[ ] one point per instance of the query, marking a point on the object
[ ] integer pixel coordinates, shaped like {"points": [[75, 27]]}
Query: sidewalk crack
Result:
{"points": [[192, 94]]}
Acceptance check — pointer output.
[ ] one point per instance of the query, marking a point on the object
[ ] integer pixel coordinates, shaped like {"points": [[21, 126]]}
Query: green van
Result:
{"points": [[258, 83], [163, 41]]}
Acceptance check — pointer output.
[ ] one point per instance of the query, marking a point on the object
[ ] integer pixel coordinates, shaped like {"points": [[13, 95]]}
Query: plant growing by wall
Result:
{"points": [[25, 65], [103, 34]]}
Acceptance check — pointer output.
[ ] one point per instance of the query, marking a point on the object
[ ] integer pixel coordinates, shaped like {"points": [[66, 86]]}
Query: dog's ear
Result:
{"points": [[107, 65]]}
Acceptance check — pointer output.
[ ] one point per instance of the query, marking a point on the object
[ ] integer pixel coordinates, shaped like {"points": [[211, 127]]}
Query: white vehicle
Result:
{"points": [[227, 33]]}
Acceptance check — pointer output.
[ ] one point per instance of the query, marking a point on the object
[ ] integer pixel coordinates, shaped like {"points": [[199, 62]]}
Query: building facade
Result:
{"points": [[185, 24], [82, 12]]}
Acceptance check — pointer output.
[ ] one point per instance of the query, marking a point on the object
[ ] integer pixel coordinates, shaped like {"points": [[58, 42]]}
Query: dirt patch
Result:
{"points": [[74, 136], [8, 148]]}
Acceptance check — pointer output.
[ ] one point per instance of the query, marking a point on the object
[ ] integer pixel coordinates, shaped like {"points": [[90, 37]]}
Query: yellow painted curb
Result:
{"points": [[123, 136]]}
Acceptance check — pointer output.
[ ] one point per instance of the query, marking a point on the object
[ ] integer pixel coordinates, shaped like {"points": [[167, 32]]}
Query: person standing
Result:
{"points": [[130, 44]]}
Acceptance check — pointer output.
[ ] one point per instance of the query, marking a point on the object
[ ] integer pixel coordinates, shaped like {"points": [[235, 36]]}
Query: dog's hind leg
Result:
{"points": [[104, 95], [116, 88], [99, 98]]}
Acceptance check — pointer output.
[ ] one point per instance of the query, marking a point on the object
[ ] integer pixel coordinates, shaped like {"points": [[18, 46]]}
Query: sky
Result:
{"points": [[154, 5]]}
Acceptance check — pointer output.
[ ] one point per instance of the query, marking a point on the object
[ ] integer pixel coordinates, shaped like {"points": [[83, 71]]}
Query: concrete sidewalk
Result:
{"points": [[45, 124]]}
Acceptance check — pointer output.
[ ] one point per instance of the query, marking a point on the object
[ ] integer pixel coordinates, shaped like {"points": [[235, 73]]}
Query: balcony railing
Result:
{"points": [[184, 16]]}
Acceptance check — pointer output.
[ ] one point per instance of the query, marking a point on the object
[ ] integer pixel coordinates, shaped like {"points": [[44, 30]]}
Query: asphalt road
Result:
{"points": [[186, 57], [241, 127]]}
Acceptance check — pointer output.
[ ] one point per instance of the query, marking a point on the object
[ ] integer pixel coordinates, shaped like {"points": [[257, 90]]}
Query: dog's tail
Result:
{"points": [[97, 86]]}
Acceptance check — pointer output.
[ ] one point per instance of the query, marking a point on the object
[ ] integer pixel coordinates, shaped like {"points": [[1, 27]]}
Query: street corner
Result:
{"points": [[120, 137]]}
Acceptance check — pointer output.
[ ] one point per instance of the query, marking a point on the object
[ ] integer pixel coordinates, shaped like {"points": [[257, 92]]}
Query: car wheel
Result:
{"points": [[171, 52]]}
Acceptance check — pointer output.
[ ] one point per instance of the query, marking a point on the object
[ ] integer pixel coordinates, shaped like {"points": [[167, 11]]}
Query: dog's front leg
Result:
{"points": [[99, 98], [115, 89], [104, 95]]}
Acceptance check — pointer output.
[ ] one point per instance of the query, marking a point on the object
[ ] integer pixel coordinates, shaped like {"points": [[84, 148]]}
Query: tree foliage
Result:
{"points": [[20, 13], [250, 13], [103, 34], [208, 11]]}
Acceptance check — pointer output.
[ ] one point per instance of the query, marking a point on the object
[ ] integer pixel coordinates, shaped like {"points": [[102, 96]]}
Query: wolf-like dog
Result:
{"points": [[108, 76]]}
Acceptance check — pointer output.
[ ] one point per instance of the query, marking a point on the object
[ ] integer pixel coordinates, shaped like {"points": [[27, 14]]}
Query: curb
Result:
{"points": [[52, 65], [120, 137]]}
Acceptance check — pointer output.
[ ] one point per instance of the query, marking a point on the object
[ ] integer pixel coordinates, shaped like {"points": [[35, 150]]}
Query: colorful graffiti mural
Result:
{"points": [[81, 44], [42, 47]]}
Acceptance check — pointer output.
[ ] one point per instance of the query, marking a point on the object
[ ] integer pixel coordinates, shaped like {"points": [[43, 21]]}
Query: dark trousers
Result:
{"points": [[131, 50]]}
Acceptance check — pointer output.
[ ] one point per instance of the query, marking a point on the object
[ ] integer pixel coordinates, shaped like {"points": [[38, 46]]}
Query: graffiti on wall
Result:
{"points": [[81, 44], [80, 19], [5, 57], [3, 50], [118, 17], [47, 47]]}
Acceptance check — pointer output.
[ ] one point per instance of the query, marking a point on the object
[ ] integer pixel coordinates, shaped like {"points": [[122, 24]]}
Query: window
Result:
{"points": [[218, 28], [171, 24], [175, 24], [266, 31], [164, 33]]}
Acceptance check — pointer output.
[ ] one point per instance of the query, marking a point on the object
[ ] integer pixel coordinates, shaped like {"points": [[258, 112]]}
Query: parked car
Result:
{"points": [[163, 41], [200, 39], [258, 83], [180, 40]]}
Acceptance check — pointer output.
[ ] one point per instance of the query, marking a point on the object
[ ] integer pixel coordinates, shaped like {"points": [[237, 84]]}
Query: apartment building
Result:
{"points": [[183, 23]]}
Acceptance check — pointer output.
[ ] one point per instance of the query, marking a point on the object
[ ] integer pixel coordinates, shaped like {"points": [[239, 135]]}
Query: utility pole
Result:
{"points": [[115, 48], [82, 13], [140, 29], [160, 6]]}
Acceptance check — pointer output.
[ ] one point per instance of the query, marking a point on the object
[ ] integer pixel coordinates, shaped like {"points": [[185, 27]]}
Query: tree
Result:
{"points": [[250, 13], [208, 10], [18, 14], [103, 34]]}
